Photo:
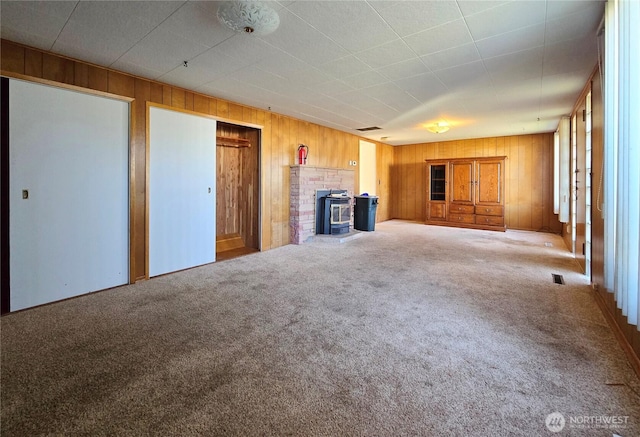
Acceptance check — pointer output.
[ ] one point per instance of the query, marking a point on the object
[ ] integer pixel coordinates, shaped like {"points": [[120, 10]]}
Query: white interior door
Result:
{"points": [[368, 174], [69, 193], [182, 191]]}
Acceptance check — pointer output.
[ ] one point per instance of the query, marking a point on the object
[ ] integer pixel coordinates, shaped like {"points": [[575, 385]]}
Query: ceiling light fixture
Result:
{"points": [[438, 128], [248, 16]]}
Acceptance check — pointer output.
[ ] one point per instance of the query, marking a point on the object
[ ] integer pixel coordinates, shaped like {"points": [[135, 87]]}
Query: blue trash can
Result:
{"points": [[364, 213]]}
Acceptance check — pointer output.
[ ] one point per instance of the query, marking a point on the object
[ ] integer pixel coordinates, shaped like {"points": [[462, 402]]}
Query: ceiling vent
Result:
{"points": [[366, 129]]}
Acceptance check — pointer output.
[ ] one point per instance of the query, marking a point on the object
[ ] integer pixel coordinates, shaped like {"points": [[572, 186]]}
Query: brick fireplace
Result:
{"points": [[305, 182]]}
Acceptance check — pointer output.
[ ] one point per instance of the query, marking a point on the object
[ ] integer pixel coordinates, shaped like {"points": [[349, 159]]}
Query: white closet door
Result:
{"points": [[69, 193], [182, 200]]}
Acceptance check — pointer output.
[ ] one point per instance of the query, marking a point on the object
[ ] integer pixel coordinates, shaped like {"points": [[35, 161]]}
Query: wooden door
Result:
{"points": [[489, 182], [461, 182]]}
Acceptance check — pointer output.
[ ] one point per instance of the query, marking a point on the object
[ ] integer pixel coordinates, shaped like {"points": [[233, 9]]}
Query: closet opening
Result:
{"points": [[237, 190]]}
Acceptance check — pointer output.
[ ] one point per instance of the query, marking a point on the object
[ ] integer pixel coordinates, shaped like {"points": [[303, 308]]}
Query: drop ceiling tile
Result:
{"points": [[506, 18], [460, 55], [363, 80], [347, 66], [564, 8], [391, 95], [24, 24], [522, 65], [410, 17], [423, 87], [126, 19], [581, 24], [446, 36], [470, 7], [333, 87], [463, 76], [268, 81], [192, 76], [163, 51], [294, 69], [368, 104], [92, 49], [353, 25], [137, 70], [514, 41], [282, 64], [301, 40], [400, 70], [197, 22], [386, 54], [214, 63], [61, 9], [23, 37], [247, 49], [568, 56], [558, 83]]}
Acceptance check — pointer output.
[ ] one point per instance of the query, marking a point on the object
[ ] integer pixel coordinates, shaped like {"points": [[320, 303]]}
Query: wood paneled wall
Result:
{"points": [[281, 136], [528, 174]]}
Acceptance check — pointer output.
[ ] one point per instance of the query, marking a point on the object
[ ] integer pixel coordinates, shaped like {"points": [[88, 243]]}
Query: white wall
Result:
{"points": [[368, 173], [70, 151]]}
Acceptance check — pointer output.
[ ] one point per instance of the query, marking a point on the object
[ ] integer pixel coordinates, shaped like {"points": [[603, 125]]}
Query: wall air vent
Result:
{"points": [[366, 129]]}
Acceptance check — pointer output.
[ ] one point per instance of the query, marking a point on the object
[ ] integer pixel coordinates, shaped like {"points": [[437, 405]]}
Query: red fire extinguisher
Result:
{"points": [[303, 152]]}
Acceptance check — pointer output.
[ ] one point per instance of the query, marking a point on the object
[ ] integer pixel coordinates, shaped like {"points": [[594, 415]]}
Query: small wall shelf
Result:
{"points": [[232, 142]]}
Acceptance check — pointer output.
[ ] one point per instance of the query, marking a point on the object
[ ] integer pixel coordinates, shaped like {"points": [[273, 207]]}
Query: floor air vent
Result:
{"points": [[558, 279]]}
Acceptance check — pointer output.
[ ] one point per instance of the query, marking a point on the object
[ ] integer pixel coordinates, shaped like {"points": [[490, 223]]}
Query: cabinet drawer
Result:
{"points": [[489, 210], [455, 208], [461, 218], [489, 220]]}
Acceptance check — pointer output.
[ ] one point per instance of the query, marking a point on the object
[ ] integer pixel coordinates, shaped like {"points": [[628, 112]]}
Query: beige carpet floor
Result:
{"points": [[407, 330]]}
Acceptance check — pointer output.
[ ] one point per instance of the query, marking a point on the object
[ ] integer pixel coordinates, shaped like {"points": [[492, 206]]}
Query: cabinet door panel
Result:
{"points": [[437, 211], [489, 186], [462, 182]]}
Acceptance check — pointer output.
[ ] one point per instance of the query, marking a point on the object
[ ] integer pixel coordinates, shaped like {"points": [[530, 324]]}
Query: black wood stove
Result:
{"points": [[333, 212]]}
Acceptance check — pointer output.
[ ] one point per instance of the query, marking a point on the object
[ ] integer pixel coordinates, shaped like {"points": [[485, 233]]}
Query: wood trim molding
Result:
{"points": [[65, 86], [5, 268], [632, 356]]}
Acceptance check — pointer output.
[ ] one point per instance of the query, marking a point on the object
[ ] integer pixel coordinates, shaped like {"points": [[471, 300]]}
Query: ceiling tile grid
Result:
{"points": [[488, 67]]}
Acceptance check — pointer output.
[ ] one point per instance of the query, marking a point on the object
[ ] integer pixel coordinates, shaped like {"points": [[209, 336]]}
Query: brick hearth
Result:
{"points": [[305, 180]]}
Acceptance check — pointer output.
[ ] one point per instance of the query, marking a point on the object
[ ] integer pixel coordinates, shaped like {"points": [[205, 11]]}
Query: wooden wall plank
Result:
{"points": [[188, 103], [138, 180], [201, 104], [157, 93], [12, 57], [178, 98], [222, 108], [121, 84], [166, 95], [213, 106], [33, 63], [57, 69]]}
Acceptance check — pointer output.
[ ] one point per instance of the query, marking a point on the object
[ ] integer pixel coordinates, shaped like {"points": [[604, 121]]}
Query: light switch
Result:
{"points": [[25, 194]]}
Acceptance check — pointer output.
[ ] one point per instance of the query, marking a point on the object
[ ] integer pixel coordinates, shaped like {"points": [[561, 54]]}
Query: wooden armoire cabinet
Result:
{"points": [[466, 192]]}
